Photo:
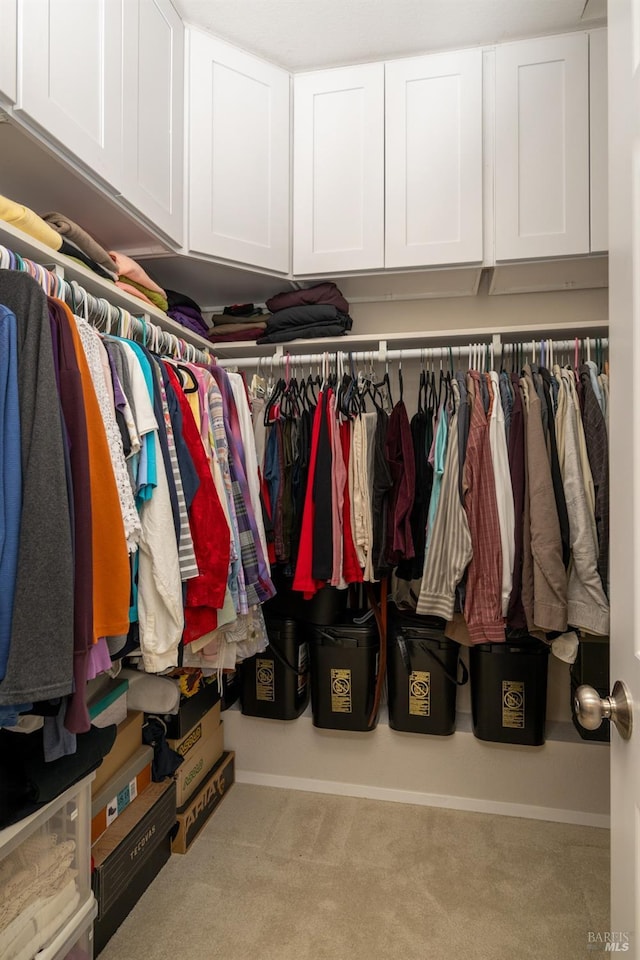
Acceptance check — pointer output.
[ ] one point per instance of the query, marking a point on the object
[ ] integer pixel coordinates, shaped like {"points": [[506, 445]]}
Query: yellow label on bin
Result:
{"points": [[265, 680], [513, 704], [340, 691], [420, 693]]}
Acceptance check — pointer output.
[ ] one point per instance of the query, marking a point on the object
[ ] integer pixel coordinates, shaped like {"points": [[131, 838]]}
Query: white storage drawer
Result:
{"points": [[45, 884]]}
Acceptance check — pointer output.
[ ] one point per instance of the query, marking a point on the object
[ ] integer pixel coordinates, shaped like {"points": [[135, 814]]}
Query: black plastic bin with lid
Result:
{"points": [[422, 676], [344, 665], [509, 691], [591, 667], [275, 683], [328, 605]]}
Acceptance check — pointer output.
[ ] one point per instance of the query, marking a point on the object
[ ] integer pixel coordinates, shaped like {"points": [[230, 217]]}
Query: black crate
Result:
{"points": [[509, 691], [275, 683], [344, 666], [422, 678], [591, 667], [328, 605]]}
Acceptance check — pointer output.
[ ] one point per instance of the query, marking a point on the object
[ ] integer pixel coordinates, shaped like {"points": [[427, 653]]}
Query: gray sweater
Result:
{"points": [[41, 655]]}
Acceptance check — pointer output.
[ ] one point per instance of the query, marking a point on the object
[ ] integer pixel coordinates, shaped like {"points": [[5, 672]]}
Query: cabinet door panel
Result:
{"points": [[339, 169], [434, 159], [71, 77], [542, 147], [8, 49], [239, 155], [598, 140], [153, 178]]}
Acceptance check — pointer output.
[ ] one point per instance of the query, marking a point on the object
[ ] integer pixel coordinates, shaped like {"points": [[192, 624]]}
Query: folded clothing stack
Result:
{"points": [[241, 321], [80, 246], [319, 311], [134, 280], [186, 312]]}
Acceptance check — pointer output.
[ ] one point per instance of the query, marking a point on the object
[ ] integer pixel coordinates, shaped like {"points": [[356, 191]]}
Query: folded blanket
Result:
{"points": [[81, 238], [189, 318], [228, 319], [251, 334], [134, 291], [223, 329], [326, 292], [307, 315], [336, 329], [158, 299], [128, 269], [25, 219], [75, 253]]}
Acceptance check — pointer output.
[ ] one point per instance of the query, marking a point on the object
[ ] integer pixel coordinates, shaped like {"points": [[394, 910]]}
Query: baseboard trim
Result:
{"points": [[472, 804]]}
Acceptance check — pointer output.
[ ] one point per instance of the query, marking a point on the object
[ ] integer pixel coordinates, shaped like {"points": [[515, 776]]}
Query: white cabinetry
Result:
{"points": [[542, 148], [598, 139], [153, 169], [338, 222], [433, 159], [70, 81], [8, 49], [239, 155]]}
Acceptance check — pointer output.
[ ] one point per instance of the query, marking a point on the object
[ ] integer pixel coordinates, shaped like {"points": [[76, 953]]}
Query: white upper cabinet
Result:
{"points": [[338, 176], [433, 160], [542, 148], [8, 49], [153, 168], [598, 139], [70, 81], [239, 155]]}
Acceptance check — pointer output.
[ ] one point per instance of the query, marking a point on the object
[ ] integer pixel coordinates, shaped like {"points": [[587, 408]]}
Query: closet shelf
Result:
{"points": [[32, 249]]}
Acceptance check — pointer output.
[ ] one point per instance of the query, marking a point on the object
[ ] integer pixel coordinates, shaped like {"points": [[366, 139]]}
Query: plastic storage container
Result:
{"points": [[45, 875], [422, 677], [591, 667], [509, 691], [327, 606], [344, 666], [275, 684]]}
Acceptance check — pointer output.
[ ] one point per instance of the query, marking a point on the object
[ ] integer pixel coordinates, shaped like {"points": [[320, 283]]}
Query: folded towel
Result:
{"points": [[81, 238], [134, 292], [157, 298], [25, 219], [325, 292], [128, 269]]}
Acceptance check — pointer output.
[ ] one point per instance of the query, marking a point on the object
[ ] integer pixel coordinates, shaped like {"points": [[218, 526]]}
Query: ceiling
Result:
{"points": [[312, 34]]}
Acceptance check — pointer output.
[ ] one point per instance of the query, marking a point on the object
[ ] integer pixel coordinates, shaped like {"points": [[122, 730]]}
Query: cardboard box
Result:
{"points": [[116, 795], [124, 849], [128, 740], [191, 710], [192, 819], [201, 749]]}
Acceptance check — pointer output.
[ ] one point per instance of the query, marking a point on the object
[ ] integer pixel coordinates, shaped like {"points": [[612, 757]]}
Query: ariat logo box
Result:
{"points": [[200, 748], [128, 843], [192, 819]]}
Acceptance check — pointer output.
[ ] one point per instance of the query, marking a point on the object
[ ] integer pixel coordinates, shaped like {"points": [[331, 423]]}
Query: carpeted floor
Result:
{"points": [[284, 875]]}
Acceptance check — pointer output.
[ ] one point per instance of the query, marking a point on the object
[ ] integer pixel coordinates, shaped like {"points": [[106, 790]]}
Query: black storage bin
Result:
{"points": [[509, 691], [591, 667], [344, 666], [275, 684], [230, 689], [327, 606], [422, 677]]}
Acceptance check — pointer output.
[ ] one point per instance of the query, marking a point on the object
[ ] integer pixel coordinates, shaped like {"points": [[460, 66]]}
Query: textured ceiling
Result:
{"points": [[311, 34]]}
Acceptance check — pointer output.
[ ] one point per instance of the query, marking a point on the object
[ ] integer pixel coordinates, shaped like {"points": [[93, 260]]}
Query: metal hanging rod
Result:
{"points": [[105, 316], [532, 349]]}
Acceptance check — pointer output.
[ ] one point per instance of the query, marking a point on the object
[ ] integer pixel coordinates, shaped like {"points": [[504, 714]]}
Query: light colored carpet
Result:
{"points": [[284, 875]]}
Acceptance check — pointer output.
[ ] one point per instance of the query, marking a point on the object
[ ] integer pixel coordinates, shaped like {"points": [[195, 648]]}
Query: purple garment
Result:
{"points": [[325, 292], [189, 318], [99, 658]]}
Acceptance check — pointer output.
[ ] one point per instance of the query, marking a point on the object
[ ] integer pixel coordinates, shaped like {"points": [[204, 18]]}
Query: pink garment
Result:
{"points": [[133, 291], [99, 659], [338, 480], [127, 267]]}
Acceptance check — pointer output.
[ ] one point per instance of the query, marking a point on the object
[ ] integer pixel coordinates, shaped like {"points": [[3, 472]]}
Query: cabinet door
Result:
{"points": [[433, 159], [70, 81], [154, 114], [239, 155], [338, 173], [8, 44], [598, 139], [542, 147]]}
